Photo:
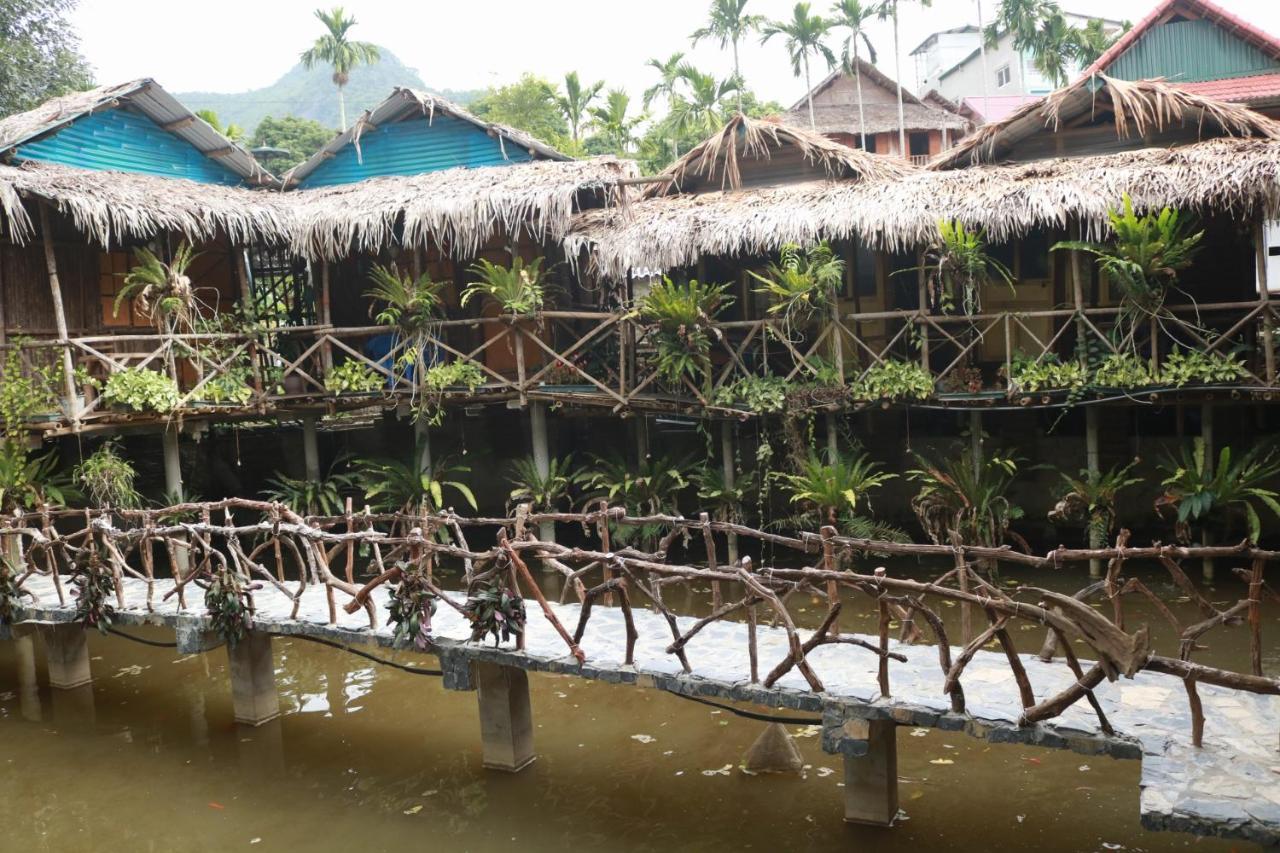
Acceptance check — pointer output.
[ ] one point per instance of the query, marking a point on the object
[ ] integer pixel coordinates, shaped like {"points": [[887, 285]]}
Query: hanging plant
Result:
{"points": [[227, 602], [957, 267], [1091, 499], [163, 293], [495, 611], [411, 607], [518, 289], [10, 593], [802, 283], [682, 317], [93, 587], [108, 479]]}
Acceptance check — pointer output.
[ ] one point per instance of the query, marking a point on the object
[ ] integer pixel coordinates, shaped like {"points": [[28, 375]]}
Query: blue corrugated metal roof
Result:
{"points": [[124, 141], [415, 146]]}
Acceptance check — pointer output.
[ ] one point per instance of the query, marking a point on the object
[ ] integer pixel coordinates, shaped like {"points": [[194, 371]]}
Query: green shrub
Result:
{"points": [[141, 390]]}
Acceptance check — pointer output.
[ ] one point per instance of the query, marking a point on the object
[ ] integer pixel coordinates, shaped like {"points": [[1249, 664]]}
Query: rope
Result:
{"points": [[415, 670], [752, 715], [159, 644]]}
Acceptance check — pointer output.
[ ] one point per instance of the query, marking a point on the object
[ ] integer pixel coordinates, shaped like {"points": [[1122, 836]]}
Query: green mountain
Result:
{"points": [[311, 94]]}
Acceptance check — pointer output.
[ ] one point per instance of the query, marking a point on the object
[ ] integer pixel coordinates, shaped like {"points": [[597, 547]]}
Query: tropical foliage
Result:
{"points": [[958, 267], [107, 478], [1090, 500], [139, 389], [967, 496], [832, 488], [546, 492], [1197, 489], [518, 289], [394, 486], [325, 496], [804, 38], [681, 314], [341, 53], [161, 292], [802, 283], [411, 606], [39, 54]]}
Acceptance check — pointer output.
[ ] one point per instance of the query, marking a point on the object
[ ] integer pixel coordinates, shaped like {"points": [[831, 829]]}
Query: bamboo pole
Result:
{"points": [[1264, 294], [59, 316]]}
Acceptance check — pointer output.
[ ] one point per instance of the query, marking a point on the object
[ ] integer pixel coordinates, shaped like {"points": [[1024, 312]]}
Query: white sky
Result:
{"points": [[236, 45]]}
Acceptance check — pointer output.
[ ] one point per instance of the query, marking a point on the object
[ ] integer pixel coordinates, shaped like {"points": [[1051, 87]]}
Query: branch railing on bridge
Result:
{"points": [[248, 544], [609, 358]]}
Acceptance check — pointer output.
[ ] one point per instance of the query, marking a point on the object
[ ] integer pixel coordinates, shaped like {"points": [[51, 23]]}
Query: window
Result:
{"points": [[918, 144], [1003, 76], [112, 268], [864, 270]]}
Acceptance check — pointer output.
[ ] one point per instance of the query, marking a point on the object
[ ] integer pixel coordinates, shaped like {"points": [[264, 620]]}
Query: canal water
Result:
{"points": [[371, 758]]}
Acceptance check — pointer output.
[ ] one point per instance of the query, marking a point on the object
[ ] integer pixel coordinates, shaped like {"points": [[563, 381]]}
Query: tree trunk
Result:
{"points": [[897, 72], [342, 110], [737, 74], [857, 79], [813, 125]]}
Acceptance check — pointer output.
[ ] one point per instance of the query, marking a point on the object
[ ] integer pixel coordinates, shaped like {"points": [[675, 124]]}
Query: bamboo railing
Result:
{"points": [[268, 544]]}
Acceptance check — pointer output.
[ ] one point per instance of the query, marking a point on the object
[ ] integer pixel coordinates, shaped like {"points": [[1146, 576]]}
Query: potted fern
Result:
{"points": [[412, 308], [681, 317], [802, 284], [515, 293]]}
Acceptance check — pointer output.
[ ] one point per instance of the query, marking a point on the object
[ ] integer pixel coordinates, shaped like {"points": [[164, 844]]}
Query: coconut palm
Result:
{"points": [[613, 123], [804, 35], [576, 100], [702, 111], [669, 78], [854, 15], [728, 22], [888, 11], [1055, 47], [1092, 40], [1020, 19], [339, 52]]}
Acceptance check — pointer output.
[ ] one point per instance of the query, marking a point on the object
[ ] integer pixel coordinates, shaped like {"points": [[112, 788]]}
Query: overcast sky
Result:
{"points": [[236, 45]]}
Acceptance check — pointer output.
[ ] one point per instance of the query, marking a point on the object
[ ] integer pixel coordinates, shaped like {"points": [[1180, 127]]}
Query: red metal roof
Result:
{"points": [[996, 106], [1261, 39], [1244, 90]]}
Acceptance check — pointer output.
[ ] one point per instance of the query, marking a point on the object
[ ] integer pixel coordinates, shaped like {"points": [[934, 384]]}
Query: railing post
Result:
{"points": [[1264, 294], [59, 315], [326, 348], [922, 297]]}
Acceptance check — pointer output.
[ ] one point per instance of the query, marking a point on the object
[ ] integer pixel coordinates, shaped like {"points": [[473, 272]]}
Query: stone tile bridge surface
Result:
{"points": [[1230, 787]]}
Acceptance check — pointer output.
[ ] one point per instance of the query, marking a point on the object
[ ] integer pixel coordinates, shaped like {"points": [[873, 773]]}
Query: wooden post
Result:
{"points": [[730, 475], [541, 458], [310, 448], [326, 318], [871, 780], [1093, 465], [506, 717], [59, 316], [922, 297], [1264, 294], [1206, 434]]}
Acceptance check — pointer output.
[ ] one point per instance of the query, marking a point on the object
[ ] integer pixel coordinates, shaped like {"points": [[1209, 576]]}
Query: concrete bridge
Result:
{"points": [[1229, 787]]}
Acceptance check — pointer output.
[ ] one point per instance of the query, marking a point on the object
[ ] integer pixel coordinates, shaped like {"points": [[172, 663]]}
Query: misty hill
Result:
{"points": [[311, 94]]}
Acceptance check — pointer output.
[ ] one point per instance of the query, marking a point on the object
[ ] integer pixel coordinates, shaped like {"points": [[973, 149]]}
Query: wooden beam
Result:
{"points": [[225, 151], [178, 124]]}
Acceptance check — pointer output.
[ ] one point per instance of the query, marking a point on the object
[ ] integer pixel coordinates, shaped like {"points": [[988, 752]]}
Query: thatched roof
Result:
{"points": [[716, 161], [403, 103], [876, 116], [144, 95], [1136, 108], [460, 209], [1239, 176], [108, 206]]}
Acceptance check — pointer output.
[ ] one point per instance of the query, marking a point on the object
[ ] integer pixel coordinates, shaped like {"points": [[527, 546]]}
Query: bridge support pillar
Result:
{"points": [[24, 653], [253, 679], [172, 464], [67, 654], [541, 458], [506, 718], [871, 780]]}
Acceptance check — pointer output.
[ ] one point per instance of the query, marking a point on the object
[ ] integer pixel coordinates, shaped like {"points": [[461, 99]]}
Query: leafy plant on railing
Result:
{"points": [[162, 292], [394, 486], [972, 500], [141, 390], [411, 606], [519, 289], [440, 378], [1143, 258], [962, 380], [1123, 370], [92, 587], [353, 377], [548, 492], [233, 382], [10, 592], [827, 489], [1197, 490], [1046, 373], [1182, 367], [411, 306], [1090, 500], [107, 478], [957, 267], [651, 487], [226, 600], [760, 394], [494, 610], [801, 284], [893, 380], [26, 481], [681, 316], [326, 496]]}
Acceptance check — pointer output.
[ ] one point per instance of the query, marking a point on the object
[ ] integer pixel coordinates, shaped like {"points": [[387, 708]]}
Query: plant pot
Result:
{"points": [[501, 356]]}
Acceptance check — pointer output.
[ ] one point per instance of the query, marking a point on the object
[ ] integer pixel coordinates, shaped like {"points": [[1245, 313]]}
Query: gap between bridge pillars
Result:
{"points": [[730, 476], [871, 780], [67, 654], [1092, 464], [1206, 434], [253, 679], [310, 449], [541, 458], [506, 718]]}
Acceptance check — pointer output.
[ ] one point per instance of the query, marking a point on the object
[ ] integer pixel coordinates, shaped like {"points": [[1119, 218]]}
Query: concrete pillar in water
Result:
{"points": [[773, 752], [24, 653], [172, 465], [1210, 458], [975, 441], [310, 448], [422, 443], [67, 653], [833, 439], [506, 718], [541, 458], [253, 679], [1092, 464], [730, 476], [871, 780]]}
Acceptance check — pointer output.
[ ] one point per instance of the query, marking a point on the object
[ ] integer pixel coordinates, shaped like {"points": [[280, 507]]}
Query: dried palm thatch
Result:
{"points": [[1136, 107], [457, 209], [1227, 175], [109, 206], [759, 139]]}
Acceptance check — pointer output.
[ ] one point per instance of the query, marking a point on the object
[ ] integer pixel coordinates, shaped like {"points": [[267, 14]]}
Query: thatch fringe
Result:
{"points": [[1139, 107], [1227, 175], [757, 138]]}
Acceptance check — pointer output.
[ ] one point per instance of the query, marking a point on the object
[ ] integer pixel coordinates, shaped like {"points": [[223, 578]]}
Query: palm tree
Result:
{"points": [[853, 15], [1055, 47], [576, 100], [669, 76], [701, 113], [804, 34], [336, 50], [1021, 19], [888, 10], [727, 22], [233, 131], [614, 123], [1092, 40]]}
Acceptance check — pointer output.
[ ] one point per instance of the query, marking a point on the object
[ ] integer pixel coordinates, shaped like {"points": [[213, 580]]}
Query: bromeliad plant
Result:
{"points": [[1197, 490], [162, 292], [1090, 500], [108, 479], [802, 283], [411, 306], [518, 289], [971, 500], [394, 486], [494, 610], [681, 316], [957, 267], [228, 603], [93, 587], [545, 492], [411, 606], [828, 489], [327, 496]]}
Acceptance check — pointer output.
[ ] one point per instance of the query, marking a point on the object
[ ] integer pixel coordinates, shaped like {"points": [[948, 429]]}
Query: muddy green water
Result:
{"points": [[368, 758]]}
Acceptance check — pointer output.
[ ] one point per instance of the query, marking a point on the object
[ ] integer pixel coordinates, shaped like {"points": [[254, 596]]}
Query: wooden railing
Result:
{"points": [[609, 359]]}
